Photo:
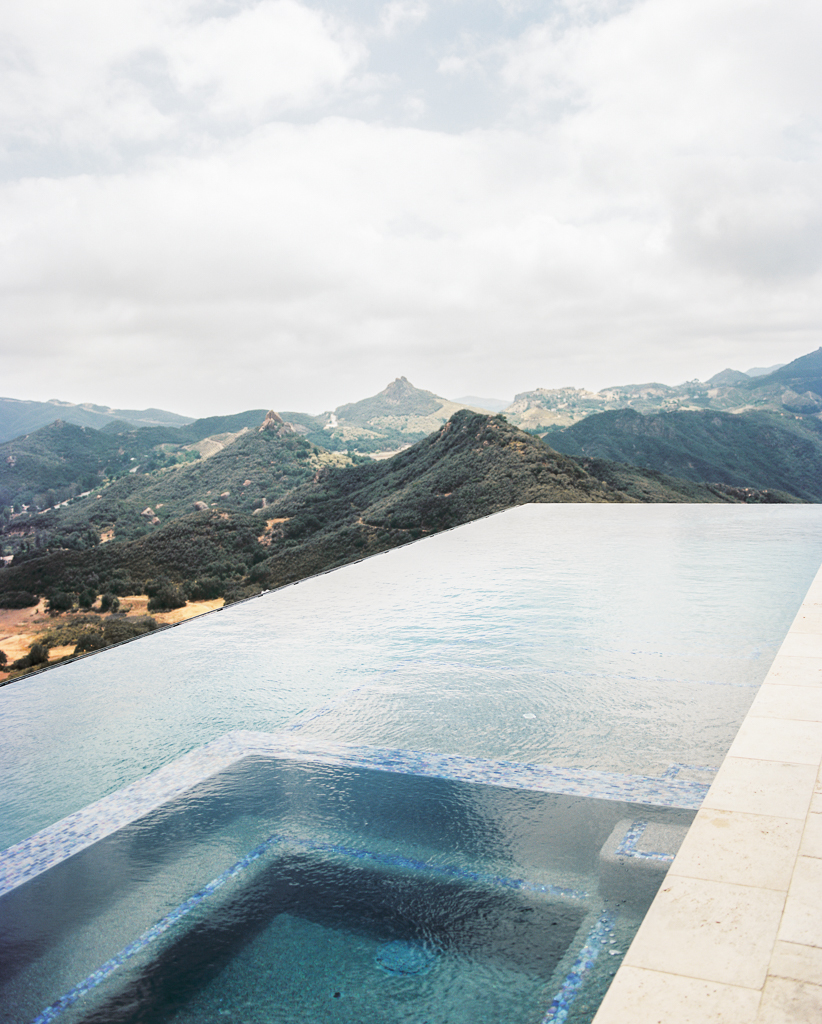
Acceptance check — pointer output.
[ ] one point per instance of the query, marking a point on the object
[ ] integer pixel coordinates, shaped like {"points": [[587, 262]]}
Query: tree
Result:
{"points": [[38, 654], [166, 597], [60, 602]]}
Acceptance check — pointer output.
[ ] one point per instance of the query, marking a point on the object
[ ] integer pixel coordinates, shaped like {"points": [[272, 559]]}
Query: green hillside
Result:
{"points": [[759, 450], [210, 551], [61, 460], [56, 462], [256, 469]]}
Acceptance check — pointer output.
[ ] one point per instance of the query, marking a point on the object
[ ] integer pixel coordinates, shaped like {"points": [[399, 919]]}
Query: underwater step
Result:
{"points": [[636, 857]]}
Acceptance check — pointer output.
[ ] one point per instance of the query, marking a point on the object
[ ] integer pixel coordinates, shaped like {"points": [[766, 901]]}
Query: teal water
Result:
{"points": [[344, 895], [625, 638]]}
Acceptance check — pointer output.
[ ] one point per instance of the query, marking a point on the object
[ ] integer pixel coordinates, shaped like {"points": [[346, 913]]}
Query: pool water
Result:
{"points": [[280, 891], [624, 640], [308, 940]]}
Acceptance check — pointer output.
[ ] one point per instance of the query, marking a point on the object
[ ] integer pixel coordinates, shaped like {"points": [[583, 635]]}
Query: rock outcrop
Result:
{"points": [[273, 421]]}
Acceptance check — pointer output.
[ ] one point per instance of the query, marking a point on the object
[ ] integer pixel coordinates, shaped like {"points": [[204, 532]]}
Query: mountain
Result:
{"points": [[20, 417], [727, 378], [60, 461], [312, 512], [396, 417], [543, 408], [473, 465], [796, 385], [760, 450], [257, 467], [795, 388]]}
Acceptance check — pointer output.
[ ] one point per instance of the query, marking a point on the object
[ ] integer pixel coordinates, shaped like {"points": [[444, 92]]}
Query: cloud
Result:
{"points": [[642, 200], [703, 114], [400, 13], [92, 77], [264, 59]]}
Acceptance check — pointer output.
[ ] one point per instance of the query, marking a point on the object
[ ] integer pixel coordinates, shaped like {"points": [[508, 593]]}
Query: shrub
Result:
{"points": [[237, 592], [166, 597], [206, 589], [38, 655], [90, 640], [115, 631]]}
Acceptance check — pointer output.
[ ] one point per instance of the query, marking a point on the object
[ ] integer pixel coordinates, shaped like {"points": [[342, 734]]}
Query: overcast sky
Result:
{"points": [[215, 205]]}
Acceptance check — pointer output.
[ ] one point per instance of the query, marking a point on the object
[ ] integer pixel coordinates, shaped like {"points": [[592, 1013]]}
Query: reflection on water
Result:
{"points": [[415, 898], [618, 637]]}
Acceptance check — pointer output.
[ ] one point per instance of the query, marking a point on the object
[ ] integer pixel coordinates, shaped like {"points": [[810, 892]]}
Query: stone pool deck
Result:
{"points": [[734, 935]]}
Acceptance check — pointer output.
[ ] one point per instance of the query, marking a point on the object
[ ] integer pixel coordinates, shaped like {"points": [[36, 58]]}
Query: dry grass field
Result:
{"points": [[21, 627]]}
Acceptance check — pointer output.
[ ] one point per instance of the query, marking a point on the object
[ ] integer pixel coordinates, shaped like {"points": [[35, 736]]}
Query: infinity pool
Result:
{"points": [[625, 638], [591, 654]]}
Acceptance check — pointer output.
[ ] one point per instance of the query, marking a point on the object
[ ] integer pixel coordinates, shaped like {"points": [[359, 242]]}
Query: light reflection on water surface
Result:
{"points": [[632, 637]]}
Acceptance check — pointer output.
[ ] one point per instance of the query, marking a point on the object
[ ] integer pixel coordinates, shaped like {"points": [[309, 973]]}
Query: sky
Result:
{"points": [[214, 205]]}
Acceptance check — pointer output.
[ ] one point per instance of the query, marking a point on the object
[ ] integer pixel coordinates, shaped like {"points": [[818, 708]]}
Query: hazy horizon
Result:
{"points": [[493, 403]]}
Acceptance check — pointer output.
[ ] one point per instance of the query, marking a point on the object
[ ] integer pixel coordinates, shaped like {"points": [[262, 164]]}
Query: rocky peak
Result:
{"points": [[273, 421], [399, 391]]}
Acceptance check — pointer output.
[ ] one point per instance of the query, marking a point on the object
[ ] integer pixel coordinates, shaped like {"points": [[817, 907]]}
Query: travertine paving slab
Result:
{"points": [[638, 996], [802, 920], [790, 1002], [793, 670], [809, 619], [772, 788], [778, 739], [745, 849], [803, 645], [786, 700], [702, 929], [795, 961]]}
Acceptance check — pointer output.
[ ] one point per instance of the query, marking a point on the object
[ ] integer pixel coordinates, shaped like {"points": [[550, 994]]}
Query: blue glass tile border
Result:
{"points": [[47, 848], [628, 847], [583, 965]]}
